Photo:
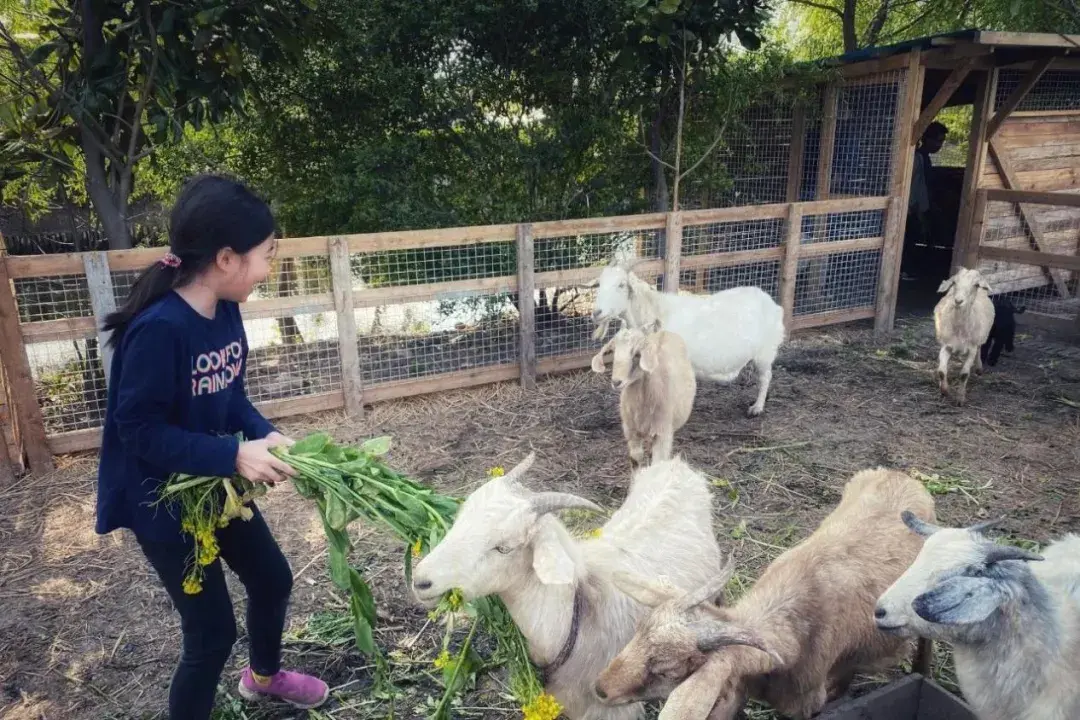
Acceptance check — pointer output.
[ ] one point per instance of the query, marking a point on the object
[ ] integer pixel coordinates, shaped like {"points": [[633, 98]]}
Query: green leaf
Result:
{"points": [[311, 445], [305, 487], [41, 53], [638, 4], [663, 40], [337, 548], [362, 592], [337, 515], [365, 639], [669, 7], [332, 454], [376, 446]]}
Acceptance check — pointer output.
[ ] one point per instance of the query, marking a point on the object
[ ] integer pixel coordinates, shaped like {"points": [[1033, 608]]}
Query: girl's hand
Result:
{"points": [[254, 461], [275, 438]]}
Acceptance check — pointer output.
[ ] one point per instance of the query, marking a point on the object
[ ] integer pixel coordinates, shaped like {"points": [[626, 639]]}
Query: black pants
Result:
{"points": [[206, 618]]}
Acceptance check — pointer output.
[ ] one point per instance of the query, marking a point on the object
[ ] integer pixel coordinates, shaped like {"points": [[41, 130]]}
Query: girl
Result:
{"points": [[176, 399]]}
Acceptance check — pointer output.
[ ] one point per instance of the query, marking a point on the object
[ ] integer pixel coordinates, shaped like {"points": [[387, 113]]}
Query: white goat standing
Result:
{"points": [[962, 322], [651, 369], [559, 591], [723, 331], [1014, 626]]}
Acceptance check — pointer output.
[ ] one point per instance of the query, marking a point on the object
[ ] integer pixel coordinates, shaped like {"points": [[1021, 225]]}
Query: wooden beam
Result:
{"points": [[1029, 39], [789, 268], [1034, 198], [828, 141], [1017, 95], [970, 253], [20, 380], [526, 280], [804, 322], [672, 251], [103, 302], [796, 153], [1037, 239], [941, 97], [903, 142], [986, 90], [341, 279], [1030, 257]]}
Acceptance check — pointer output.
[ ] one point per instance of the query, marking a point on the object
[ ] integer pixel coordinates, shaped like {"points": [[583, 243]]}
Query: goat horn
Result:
{"points": [[997, 553], [985, 525], [546, 502], [717, 635], [710, 590], [920, 527], [514, 476]]}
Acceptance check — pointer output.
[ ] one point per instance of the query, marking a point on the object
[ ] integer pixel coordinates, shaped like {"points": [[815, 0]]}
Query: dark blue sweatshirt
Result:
{"points": [[176, 401]]}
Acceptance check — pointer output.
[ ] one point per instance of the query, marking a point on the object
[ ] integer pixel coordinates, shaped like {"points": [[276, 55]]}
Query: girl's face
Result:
{"points": [[241, 273]]}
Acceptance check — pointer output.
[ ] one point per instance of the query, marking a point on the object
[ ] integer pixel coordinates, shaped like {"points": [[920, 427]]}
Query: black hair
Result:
{"points": [[211, 213], [937, 128]]}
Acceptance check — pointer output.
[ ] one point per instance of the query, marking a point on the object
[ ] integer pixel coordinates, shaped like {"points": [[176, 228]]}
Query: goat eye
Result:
{"points": [[503, 549]]}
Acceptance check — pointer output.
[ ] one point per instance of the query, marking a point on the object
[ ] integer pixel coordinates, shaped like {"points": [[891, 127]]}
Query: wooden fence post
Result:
{"points": [[672, 251], [789, 270], [20, 381], [341, 278], [907, 113], [102, 301], [974, 238], [526, 277]]}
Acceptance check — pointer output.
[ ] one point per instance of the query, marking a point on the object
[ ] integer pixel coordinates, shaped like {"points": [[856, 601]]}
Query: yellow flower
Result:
{"points": [[594, 533], [416, 548], [496, 471], [442, 660], [187, 526], [543, 707], [192, 586], [454, 600]]}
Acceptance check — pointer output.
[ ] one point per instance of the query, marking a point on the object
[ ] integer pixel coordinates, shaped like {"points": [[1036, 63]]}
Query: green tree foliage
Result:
{"points": [[106, 82]]}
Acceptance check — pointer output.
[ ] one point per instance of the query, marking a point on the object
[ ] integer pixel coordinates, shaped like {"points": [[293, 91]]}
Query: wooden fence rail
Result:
{"points": [[787, 250]]}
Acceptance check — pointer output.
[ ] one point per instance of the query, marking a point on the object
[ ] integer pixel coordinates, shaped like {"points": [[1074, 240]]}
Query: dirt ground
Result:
{"points": [[86, 631]]}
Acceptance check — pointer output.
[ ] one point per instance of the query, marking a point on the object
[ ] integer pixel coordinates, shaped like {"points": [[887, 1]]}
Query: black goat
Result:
{"points": [[1003, 332]]}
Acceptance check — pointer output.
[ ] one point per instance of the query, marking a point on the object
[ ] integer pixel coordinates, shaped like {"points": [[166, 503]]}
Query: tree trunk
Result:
{"points": [[286, 283], [656, 147], [851, 38]]}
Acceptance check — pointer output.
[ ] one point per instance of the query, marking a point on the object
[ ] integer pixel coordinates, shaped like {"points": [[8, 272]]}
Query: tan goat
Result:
{"points": [[651, 369], [797, 638]]}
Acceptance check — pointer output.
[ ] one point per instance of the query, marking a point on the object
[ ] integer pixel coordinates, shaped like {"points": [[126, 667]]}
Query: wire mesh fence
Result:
{"points": [[1056, 90], [1041, 228]]}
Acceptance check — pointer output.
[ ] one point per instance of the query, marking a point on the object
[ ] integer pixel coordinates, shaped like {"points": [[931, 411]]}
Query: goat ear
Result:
{"points": [[919, 527], [961, 600], [650, 357], [711, 590], [945, 285], [713, 635], [984, 285], [998, 553], [551, 563], [647, 592], [598, 359]]}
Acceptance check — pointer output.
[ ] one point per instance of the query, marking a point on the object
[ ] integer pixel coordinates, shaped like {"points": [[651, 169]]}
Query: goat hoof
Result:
{"points": [[754, 411]]}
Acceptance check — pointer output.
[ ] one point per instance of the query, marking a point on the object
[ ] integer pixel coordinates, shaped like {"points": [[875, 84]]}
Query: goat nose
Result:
{"points": [[879, 613], [422, 584], [600, 692]]}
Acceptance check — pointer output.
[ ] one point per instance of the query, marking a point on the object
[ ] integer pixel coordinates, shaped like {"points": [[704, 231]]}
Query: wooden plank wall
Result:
{"points": [[1036, 152]]}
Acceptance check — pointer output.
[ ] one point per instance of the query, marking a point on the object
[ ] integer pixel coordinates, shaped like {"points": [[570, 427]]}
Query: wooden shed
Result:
{"points": [[1013, 210]]}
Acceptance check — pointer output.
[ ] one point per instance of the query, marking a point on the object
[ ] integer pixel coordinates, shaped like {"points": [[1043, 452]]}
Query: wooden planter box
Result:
{"points": [[912, 698]]}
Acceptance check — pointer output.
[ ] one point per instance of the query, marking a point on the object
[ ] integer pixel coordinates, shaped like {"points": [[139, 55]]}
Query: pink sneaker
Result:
{"points": [[302, 691]]}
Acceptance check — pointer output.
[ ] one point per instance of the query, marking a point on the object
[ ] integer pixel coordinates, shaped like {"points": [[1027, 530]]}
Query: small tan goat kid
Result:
{"points": [[651, 369], [962, 322], [799, 635]]}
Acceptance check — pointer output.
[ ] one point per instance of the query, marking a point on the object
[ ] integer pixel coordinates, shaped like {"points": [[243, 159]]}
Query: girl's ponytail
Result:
{"points": [[212, 213]]}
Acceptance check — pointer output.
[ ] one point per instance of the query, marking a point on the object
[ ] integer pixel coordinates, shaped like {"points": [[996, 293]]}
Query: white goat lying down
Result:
{"points": [[1014, 625], [723, 331], [798, 636], [558, 589], [962, 322], [652, 371]]}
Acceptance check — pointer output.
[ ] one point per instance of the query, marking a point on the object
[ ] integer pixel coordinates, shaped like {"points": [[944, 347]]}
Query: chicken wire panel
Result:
{"points": [[122, 282], [421, 266], [292, 355], [842, 281], [862, 154], [54, 297], [295, 277], [724, 237], [411, 340], [69, 380], [1056, 90], [765, 275], [1049, 291], [568, 252], [756, 158], [834, 227]]}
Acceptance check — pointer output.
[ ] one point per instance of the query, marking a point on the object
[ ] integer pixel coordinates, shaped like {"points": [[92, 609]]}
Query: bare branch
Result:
{"points": [[820, 6], [873, 30], [645, 145]]}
